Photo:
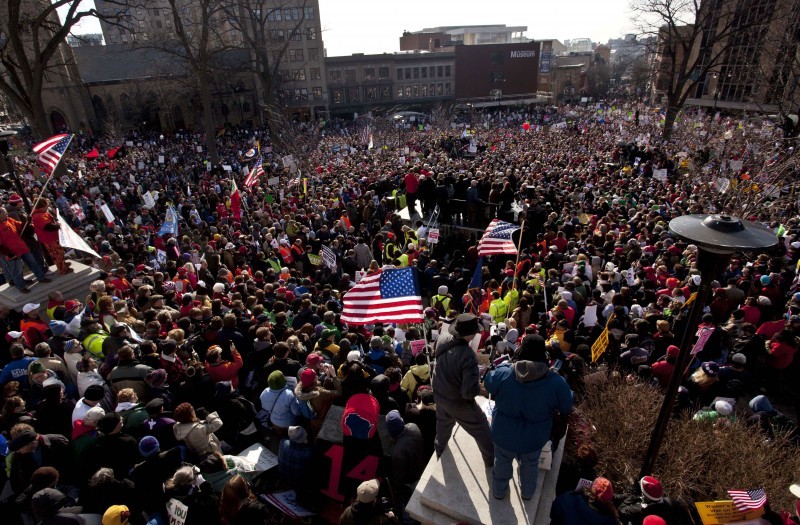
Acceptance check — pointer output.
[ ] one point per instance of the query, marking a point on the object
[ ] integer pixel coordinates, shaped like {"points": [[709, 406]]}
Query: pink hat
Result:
{"points": [[308, 377]]}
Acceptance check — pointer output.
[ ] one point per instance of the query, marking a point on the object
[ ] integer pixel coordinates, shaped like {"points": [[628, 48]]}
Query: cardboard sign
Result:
{"points": [[260, 456], [703, 335], [161, 159], [433, 236], [417, 346], [723, 512], [148, 200], [273, 181], [177, 512], [107, 212], [199, 149]]}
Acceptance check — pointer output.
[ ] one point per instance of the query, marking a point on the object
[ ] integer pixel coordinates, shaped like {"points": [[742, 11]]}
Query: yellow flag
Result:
{"points": [[689, 301], [599, 347]]}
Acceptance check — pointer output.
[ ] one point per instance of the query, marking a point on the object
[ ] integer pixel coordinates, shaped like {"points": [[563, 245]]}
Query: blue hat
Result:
{"points": [[765, 279], [149, 446], [3, 446], [58, 327], [394, 423]]}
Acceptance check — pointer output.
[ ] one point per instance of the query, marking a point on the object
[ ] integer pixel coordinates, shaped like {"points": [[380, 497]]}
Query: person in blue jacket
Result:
{"points": [[527, 395]]}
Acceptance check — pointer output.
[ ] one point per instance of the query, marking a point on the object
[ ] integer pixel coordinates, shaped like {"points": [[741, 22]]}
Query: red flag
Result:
{"points": [[236, 201]]}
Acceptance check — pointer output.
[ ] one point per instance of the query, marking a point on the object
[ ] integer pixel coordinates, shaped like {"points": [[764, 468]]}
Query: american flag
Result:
{"points": [[365, 135], [391, 296], [746, 500], [497, 239], [51, 150], [255, 174]]}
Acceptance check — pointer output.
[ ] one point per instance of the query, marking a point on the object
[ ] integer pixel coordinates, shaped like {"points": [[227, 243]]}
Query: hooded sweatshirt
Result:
{"points": [[527, 395]]}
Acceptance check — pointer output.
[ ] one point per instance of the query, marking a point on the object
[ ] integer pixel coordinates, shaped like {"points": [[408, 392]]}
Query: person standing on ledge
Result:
{"points": [[14, 251], [456, 382], [46, 228]]}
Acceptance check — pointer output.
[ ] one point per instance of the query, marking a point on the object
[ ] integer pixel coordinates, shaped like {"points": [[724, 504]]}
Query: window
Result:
{"points": [[154, 11], [432, 90], [168, 22], [303, 94], [415, 90], [316, 92], [295, 55], [157, 23], [338, 96], [124, 38], [287, 14], [440, 71], [424, 72], [295, 13], [407, 92], [372, 93], [369, 73], [447, 88], [408, 73], [299, 74], [424, 90], [114, 39], [274, 15], [336, 76], [432, 71], [311, 33], [416, 72], [308, 13], [295, 35], [296, 95], [399, 73], [284, 75], [447, 71], [439, 90], [383, 73], [313, 54], [141, 24], [315, 75], [352, 94], [350, 76], [386, 92], [399, 91]]}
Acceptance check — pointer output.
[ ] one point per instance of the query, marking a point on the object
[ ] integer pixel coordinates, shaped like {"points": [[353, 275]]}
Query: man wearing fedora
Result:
{"points": [[456, 382]]}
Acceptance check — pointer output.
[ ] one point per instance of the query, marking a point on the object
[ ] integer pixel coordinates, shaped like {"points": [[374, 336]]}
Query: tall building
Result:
{"points": [[434, 38]]}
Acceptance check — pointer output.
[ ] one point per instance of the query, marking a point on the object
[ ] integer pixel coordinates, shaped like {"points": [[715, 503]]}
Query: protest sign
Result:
{"points": [[177, 512], [723, 512], [286, 502], [260, 456], [272, 181], [417, 346], [433, 236], [148, 201], [107, 212]]}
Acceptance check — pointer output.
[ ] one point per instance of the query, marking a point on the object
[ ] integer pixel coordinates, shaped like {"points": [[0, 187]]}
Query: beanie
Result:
{"points": [[353, 355], [149, 446], [394, 423], [58, 327], [308, 377], [651, 488], [276, 380]]}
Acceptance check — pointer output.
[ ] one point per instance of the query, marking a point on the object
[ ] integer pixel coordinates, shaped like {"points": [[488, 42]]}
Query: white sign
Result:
{"points": [[94, 190], [273, 181], [107, 212], [286, 502], [433, 236], [69, 239], [161, 159], [129, 143], [140, 165], [590, 316], [177, 512], [260, 456], [660, 175], [227, 167], [148, 200], [199, 149]]}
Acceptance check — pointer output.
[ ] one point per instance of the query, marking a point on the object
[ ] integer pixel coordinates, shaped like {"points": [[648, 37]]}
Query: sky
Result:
{"points": [[375, 26]]}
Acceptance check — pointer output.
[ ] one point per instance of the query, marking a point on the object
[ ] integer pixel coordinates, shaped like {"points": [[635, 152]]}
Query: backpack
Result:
{"points": [[420, 383], [438, 304]]}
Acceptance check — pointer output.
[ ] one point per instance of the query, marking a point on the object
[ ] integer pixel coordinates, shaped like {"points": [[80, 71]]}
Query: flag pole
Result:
{"points": [[41, 192], [519, 251]]}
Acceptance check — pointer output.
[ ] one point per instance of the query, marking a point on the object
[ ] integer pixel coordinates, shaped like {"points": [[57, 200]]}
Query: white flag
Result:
{"points": [[69, 239]]}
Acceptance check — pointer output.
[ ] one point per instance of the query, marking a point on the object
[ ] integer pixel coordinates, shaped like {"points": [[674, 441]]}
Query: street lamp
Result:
{"points": [[717, 237], [5, 136]]}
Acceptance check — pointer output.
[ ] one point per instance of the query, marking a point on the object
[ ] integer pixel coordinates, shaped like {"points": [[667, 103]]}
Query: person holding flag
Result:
{"points": [[46, 228], [236, 203], [14, 251]]}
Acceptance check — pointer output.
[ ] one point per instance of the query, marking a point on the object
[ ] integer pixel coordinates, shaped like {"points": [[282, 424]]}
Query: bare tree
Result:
{"points": [[31, 37], [692, 38]]}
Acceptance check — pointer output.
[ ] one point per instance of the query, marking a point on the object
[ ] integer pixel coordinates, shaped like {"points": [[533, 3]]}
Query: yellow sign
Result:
{"points": [[723, 512]]}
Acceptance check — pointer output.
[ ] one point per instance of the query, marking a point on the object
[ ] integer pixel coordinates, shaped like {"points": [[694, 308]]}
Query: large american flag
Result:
{"points": [[746, 500], [51, 150], [497, 239], [391, 296], [255, 174]]}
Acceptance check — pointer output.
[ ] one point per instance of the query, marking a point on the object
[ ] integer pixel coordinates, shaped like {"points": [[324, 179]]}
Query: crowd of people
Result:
{"points": [[133, 401]]}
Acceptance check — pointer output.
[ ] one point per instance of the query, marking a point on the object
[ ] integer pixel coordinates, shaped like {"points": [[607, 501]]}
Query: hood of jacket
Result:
{"points": [[305, 396], [377, 353], [527, 371], [421, 371], [182, 430], [761, 404]]}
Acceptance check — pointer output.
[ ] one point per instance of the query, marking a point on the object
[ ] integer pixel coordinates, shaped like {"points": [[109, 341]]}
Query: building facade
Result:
{"points": [[433, 38], [497, 70]]}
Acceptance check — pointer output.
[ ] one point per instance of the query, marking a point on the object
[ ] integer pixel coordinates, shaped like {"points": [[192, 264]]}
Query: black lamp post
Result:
{"points": [[5, 136], [717, 237]]}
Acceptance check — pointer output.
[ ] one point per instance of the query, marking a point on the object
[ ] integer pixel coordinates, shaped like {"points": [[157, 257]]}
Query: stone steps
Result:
{"points": [[74, 286]]}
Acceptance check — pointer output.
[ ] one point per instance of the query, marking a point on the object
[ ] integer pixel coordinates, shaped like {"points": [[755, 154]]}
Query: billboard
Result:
{"points": [[544, 63]]}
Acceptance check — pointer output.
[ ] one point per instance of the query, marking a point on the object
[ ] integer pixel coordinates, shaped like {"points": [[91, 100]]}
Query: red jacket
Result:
{"points": [[226, 370], [42, 220], [11, 244]]}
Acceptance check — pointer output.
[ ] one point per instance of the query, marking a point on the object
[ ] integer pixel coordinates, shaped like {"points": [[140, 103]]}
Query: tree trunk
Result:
{"points": [[39, 121], [208, 121], [669, 120]]}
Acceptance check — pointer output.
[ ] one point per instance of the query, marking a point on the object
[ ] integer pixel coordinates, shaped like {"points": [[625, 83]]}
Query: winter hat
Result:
{"points": [[375, 342], [761, 403], [652, 519], [651, 488], [297, 434], [93, 415], [69, 345], [276, 380], [765, 280], [673, 351], [602, 490], [47, 502], [326, 334], [58, 327], [739, 359], [394, 423], [313, 360], [308, 377], [223, 388], [442, 290], [368, 491], [154, 406], [149, 446], [723, 408], [94, 393], [156, 378], [532, 349], [108, 423], [353, 355], [116, 515], [710, 367]]}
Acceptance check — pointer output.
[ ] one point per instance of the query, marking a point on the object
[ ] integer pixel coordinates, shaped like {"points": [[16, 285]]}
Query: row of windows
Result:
{"points": [[287, 95], [293, 13], [408, 73], [280, 35], [353, 95], [297, 55], [300, 74]]}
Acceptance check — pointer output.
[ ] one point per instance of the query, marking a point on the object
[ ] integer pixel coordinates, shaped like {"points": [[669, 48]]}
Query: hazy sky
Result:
{"points": [[375, 26]]}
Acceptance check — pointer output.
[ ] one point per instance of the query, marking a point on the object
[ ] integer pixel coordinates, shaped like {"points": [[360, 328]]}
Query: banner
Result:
{"points": [[328, 257], [170, 226], [69, 239]]}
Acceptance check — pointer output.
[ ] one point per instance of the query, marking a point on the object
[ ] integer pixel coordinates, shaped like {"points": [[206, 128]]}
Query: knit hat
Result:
{"points": [[442, 290], [651, 488], [149, 446], [394, 423], [765, 280], [308, 377], [313, 360], [93, 415], [116, 515], [326, 334], [739, 359], [223, 388], [276, 380], [652, 519], [368, 491], [69, 345], [57, 327], [710, 367], [297, 434], [375, 342], [673, 351], [602, 490], [723, 408], [353, 355], [94, 393], [532, 349], [156, 378]]}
